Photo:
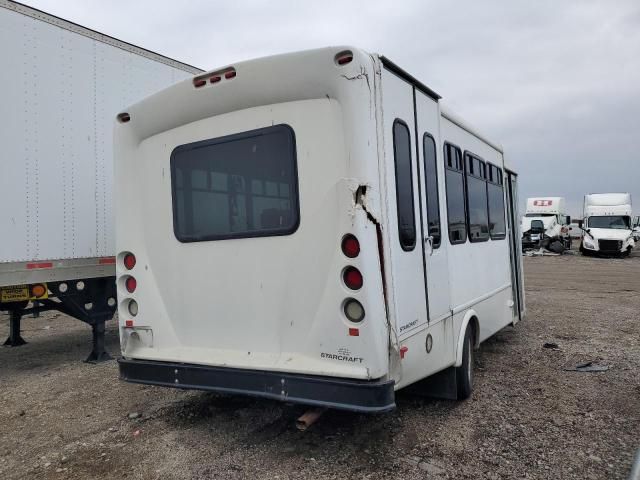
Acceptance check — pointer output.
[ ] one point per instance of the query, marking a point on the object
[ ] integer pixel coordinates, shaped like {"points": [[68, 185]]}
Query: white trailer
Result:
{"points": [[607, 225], [546, 224], [313, 228], [60, 86]]}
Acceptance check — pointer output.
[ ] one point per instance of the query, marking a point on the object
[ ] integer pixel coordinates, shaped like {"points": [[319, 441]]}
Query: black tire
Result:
{"points": [[464, 373], [557, 246]]}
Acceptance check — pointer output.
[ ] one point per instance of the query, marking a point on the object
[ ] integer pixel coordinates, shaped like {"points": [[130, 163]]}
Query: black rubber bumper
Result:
{"points": [[333, 392]]}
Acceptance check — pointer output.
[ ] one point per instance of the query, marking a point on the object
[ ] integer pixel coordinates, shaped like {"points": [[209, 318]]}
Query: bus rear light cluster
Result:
{"points": [[214, 77], [352, 278]]}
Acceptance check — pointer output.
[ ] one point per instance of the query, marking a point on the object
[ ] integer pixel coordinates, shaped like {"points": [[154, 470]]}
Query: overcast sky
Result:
{"points": [[556, 82]]}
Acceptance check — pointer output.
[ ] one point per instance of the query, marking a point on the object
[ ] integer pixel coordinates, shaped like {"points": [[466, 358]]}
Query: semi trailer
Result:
{"points": [[60, 86]]}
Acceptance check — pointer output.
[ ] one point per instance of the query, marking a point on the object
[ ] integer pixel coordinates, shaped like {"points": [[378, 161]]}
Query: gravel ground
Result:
{"points": [[527, 418]]}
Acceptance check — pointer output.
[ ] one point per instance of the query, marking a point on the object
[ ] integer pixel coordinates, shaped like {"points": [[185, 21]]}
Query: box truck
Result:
{"points": [[607, 225], [60, 86], [314, 228], [546, 224]]}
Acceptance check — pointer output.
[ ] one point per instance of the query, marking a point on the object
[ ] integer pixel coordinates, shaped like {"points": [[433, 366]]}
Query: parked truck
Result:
{"points": [[546, 224], [60, 86], [607, 227]]}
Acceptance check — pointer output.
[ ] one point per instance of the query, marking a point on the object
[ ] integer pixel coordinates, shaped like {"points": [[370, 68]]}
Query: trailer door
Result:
{"points": [[431, 170], [404, 232]]}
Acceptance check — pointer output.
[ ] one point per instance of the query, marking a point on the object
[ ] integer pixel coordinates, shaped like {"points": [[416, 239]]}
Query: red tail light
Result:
{"points": [[352, 278], [129, 261], [131, 284], [350, 246]]}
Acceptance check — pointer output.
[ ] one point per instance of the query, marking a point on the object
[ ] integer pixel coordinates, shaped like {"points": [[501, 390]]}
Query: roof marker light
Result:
{"points": [[230, 74], [123, 117], [215, 79], [343, 58], [199, 82]]}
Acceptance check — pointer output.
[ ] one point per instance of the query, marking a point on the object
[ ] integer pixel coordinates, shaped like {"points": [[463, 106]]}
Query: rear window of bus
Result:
{"points": [[242, 185]]}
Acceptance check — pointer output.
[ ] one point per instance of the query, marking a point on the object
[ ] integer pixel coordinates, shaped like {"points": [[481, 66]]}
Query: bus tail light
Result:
{"points": [[131, 284], [350, 246], [129, 261], [352, 278], [353, 310], [133, 308]]}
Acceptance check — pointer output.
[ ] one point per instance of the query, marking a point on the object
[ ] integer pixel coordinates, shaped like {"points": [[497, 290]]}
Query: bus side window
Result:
{"points": [[431, 183], [404, 185], [476, 186], [495, 201], [454, 184]]}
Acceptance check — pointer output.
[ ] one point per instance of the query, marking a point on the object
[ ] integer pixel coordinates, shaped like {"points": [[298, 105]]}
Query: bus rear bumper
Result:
{"points": [[367, 396]]}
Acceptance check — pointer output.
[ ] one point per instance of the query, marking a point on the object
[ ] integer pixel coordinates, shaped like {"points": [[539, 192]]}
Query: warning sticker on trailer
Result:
{"points": [[14, 294]]}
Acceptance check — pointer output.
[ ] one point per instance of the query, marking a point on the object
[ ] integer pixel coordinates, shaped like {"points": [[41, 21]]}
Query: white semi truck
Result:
{"points": [[546, 224], [607, 225], [60, 87]]}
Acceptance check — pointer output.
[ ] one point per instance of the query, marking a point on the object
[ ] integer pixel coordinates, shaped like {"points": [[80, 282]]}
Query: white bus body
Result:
{"points": [[241, 198], [552, 214], [61, 85], [607, 224]]}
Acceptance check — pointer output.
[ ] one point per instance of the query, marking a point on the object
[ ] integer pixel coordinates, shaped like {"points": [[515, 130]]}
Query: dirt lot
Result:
{"points": [[528, 417]]}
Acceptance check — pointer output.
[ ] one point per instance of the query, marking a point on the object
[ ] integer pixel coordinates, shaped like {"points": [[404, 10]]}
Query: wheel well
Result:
{"points": [[475, 326]]}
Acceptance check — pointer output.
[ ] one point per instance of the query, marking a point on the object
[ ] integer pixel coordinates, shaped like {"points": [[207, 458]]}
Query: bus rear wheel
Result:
{"points": [[464, 373]]}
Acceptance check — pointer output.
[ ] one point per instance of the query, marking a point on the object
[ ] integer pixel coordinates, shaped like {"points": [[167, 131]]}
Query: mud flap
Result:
{"points": [[442, 385]]}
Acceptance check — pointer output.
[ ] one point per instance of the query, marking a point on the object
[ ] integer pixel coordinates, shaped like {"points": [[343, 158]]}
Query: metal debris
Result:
{"points": [[588, 367]]}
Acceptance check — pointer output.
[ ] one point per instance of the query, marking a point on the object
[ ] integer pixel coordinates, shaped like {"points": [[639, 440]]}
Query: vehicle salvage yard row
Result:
{"points": [[528, 417]]}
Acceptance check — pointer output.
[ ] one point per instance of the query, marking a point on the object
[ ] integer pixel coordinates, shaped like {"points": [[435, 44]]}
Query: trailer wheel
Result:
{"points": [[464, 373]]}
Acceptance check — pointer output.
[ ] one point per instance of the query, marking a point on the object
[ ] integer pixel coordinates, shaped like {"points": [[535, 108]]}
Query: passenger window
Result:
{"points": [[404, 185], [477, 214], [495, 196], [454, 182], [431, 182], [237, 186]]}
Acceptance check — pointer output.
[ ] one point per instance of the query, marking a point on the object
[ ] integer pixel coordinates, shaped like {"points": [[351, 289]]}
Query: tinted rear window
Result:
{"points": [[242, 185]]}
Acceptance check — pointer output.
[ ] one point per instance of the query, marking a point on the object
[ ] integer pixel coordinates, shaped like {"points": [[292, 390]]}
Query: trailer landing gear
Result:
{"points": [[98, 353], [15, 339]]}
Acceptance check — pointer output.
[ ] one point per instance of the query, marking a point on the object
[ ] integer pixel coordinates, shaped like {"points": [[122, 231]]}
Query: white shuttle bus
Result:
{"points": [[313, 228]]}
